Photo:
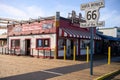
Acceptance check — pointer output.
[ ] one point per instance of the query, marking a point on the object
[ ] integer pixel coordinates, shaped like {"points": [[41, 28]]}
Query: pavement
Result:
{"points": [[65, 70]]}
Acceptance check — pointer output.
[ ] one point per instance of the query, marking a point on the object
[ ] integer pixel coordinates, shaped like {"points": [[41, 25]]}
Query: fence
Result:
{"points": [[47, 52]]}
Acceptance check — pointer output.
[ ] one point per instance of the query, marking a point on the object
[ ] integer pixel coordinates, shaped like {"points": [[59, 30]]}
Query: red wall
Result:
{"points": [[32, 28]]}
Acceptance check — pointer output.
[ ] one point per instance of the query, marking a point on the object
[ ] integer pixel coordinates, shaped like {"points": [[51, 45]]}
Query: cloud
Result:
{"points": [[12, 11], [111, 17], [65, 9], [23, 13], [34, 11]]}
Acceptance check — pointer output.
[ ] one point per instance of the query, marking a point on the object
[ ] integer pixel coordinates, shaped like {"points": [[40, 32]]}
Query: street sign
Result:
{"points": [[92, 20], [92, 14]]}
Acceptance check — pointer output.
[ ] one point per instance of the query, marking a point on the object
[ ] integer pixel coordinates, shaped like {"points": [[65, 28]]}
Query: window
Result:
{"points": [[39, 43], [46, 43], [61, 43], [15, 43], [84, 43], [43, 43]]}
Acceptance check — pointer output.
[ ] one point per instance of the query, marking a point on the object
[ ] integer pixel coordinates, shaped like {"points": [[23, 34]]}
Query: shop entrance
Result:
{"points": [[72, 45], [27, 47]]}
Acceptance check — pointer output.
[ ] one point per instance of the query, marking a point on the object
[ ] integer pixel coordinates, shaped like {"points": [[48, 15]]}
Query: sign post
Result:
{"points": [[92, 17], [92, 49]]}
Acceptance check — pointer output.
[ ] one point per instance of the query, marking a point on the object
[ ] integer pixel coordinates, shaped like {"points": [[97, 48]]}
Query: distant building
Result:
{"points": [[114, 32]]}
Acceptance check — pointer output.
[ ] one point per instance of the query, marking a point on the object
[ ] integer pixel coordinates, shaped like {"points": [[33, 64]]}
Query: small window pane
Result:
{"points": [[46, 43], [39, 43]]}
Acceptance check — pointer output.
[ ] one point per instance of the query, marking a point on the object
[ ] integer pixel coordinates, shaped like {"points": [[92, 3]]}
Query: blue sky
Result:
{"points": [[25, 9]]}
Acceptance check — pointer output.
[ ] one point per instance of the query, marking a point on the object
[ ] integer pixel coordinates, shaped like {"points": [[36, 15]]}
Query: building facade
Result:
{"points": [[48, 36], [114, 32], [3, 40]]}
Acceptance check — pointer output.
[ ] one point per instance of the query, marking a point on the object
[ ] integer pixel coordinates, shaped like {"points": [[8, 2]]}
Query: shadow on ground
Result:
{"points": [[83, 57], [50, 73]]}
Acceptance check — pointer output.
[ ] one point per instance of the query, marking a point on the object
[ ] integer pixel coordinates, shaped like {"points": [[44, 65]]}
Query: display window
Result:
{"points": [[42, 43]]}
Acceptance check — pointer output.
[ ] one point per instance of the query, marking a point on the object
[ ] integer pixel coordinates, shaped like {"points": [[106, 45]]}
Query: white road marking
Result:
{"points": [[52, 72]]}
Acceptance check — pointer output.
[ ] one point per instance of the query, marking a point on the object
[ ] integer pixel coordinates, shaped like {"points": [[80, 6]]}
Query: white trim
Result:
{"points": [[52, 72]]}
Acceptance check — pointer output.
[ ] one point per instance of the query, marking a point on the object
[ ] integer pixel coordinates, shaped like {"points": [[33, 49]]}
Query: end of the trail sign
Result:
{"points": [[98, 24]]}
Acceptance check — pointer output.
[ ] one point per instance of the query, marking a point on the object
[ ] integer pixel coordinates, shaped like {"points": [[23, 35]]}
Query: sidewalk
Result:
{"points": [[27, 68], [98, 71]]}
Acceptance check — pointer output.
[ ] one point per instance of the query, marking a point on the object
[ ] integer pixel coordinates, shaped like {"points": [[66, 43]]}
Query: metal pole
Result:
{"points": [[32, 52], [50, 53], [64, 52], [14, 51], [87, 53], [55, 56], [44, 53], [2, 50], [5, 50], [38, 54], [74, 53], [109, 55], [91, 54], [8, 50]]}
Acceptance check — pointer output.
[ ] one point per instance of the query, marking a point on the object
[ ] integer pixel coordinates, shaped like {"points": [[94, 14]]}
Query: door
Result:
{"points": [[27, 47], [72, 45]]}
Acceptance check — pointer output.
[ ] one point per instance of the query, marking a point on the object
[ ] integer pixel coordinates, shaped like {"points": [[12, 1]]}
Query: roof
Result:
{"points": [[109, 28], [68, 32], [108, 37], [3, 36]]}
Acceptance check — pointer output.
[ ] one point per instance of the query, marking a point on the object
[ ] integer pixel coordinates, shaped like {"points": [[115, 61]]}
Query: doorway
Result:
{"points": [[27, 47], [72, 45]]}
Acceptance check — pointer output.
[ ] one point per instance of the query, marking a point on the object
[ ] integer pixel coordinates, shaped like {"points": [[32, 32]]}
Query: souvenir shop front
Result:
{"points": [[72, 35]]}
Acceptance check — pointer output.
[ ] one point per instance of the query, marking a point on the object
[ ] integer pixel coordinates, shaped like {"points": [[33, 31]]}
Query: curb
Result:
{"points": [[107, 75]]}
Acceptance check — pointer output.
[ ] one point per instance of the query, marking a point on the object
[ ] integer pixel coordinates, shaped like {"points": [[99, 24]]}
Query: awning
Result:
{"points": [[68, 32], [108, 37]]}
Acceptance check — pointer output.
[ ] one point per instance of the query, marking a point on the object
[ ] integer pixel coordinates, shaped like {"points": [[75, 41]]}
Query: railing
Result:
{"points": [[47, 52], [11, 51]]}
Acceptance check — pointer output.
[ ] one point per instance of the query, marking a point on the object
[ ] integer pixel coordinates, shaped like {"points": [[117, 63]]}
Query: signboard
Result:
{"points": [[92, 14], [17, 29], [92, 17], [99, 24], [96, 4]]}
